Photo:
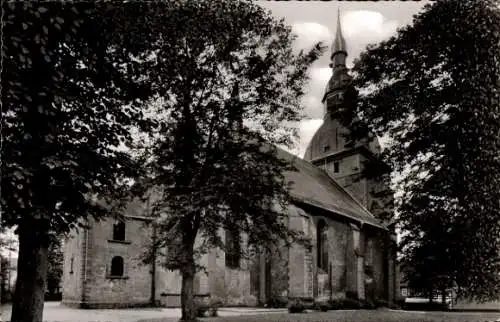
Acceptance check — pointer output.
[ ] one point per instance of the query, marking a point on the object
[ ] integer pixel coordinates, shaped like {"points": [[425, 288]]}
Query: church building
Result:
{"points": [[353, 251]]}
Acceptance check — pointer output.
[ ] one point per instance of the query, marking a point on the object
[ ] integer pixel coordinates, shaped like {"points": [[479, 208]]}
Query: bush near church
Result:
{"points": [[296, 306], [208, 308]]}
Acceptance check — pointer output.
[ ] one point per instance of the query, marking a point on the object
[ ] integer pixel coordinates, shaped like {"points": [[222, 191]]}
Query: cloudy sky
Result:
{"points": [[362, 23]]}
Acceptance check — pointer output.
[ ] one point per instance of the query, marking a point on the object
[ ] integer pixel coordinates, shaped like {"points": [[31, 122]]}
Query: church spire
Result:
{"points": [[339, 51], [340, 77]]}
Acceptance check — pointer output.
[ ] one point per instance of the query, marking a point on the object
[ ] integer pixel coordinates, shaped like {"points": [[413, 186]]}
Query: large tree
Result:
{"points": [[230, 91], [71, 91], [434, 90]]}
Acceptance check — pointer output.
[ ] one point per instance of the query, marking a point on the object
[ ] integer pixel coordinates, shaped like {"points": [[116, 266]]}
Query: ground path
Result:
{"points": [[55, 312]]}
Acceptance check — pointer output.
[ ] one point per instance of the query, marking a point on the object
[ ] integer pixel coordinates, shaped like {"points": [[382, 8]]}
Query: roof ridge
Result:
{"points": [[332, 180]]}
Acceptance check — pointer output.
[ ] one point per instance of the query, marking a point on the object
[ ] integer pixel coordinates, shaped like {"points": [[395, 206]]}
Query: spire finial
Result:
{"points": [[339, 42]]}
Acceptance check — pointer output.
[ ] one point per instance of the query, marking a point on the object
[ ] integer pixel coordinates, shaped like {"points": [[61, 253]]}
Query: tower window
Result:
{"points": [[119, 231], [233, 249], [71, 265], [117, 266], [336, 167]]}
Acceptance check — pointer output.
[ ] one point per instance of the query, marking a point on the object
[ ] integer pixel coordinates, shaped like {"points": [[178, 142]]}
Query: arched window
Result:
{"points": [[233, 249], [119, 231], [322, 235], [117, 266]]}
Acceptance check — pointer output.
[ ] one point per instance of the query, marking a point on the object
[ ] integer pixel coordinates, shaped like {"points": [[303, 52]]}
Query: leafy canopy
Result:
{"points": [[434, 90], [71, 94], [229, 89]]}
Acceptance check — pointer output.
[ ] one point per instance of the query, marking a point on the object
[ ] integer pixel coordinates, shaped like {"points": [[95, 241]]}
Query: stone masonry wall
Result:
{"points": [[351, 258], [338, 256], [135, 286], [231, 286], [292, 273], [380, 197], [379, 267], [374, 257], [72, 265], [279, 279], [298, 265]]}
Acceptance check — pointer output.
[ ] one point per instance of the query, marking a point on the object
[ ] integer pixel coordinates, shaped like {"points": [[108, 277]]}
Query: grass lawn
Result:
{"points": [[358, 316]]}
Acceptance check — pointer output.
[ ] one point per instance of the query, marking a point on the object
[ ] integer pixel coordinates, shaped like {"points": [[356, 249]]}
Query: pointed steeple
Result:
{"points": [[339, 42], [339, 49], [340, 75]]}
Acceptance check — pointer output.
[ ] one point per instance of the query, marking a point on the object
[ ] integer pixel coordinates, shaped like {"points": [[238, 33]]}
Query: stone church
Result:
{"points": [[353, 250]]}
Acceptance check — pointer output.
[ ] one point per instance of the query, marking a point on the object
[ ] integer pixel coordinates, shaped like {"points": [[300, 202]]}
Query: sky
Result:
{"points": [[363, 22]]}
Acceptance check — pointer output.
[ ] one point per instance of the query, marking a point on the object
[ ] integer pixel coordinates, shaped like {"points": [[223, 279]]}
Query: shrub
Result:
{"points": [[434, 306], [277, 302], [210, 307], [296, 306], [352, 304], [351, 295], [336, 304], [213, 306], [381, 303], [322, 304], [368, 305], [201, 311], [346, 304], [394, 306], [213, 312]]}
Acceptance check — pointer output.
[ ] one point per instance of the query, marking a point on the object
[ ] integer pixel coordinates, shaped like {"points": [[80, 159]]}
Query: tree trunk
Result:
{"points": [[32, 265], [189, 311]]}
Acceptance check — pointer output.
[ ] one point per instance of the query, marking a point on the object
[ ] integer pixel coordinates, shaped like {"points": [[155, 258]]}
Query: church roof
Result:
{"points": [[313, 186], [310, 185]]}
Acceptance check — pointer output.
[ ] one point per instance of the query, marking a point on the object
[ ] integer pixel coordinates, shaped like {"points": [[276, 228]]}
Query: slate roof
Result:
{"points": [[313, 186], [310, 185]]}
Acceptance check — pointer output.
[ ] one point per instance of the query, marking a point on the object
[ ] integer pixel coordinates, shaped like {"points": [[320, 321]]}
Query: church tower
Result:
{"points": [[330, 149]]}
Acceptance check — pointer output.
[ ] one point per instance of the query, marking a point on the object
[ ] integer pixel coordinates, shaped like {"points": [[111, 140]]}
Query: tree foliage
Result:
{"points": [[434, 90], [229, 88], [67, 105], [55, 266], [71, 92]]}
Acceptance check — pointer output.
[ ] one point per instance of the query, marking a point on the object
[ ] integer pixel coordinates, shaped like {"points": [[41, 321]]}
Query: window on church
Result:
{"points": [[233, 249], [117, 266], [326, 148], [336, 167], [119, 231], [71, 265], [322, 236]]}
